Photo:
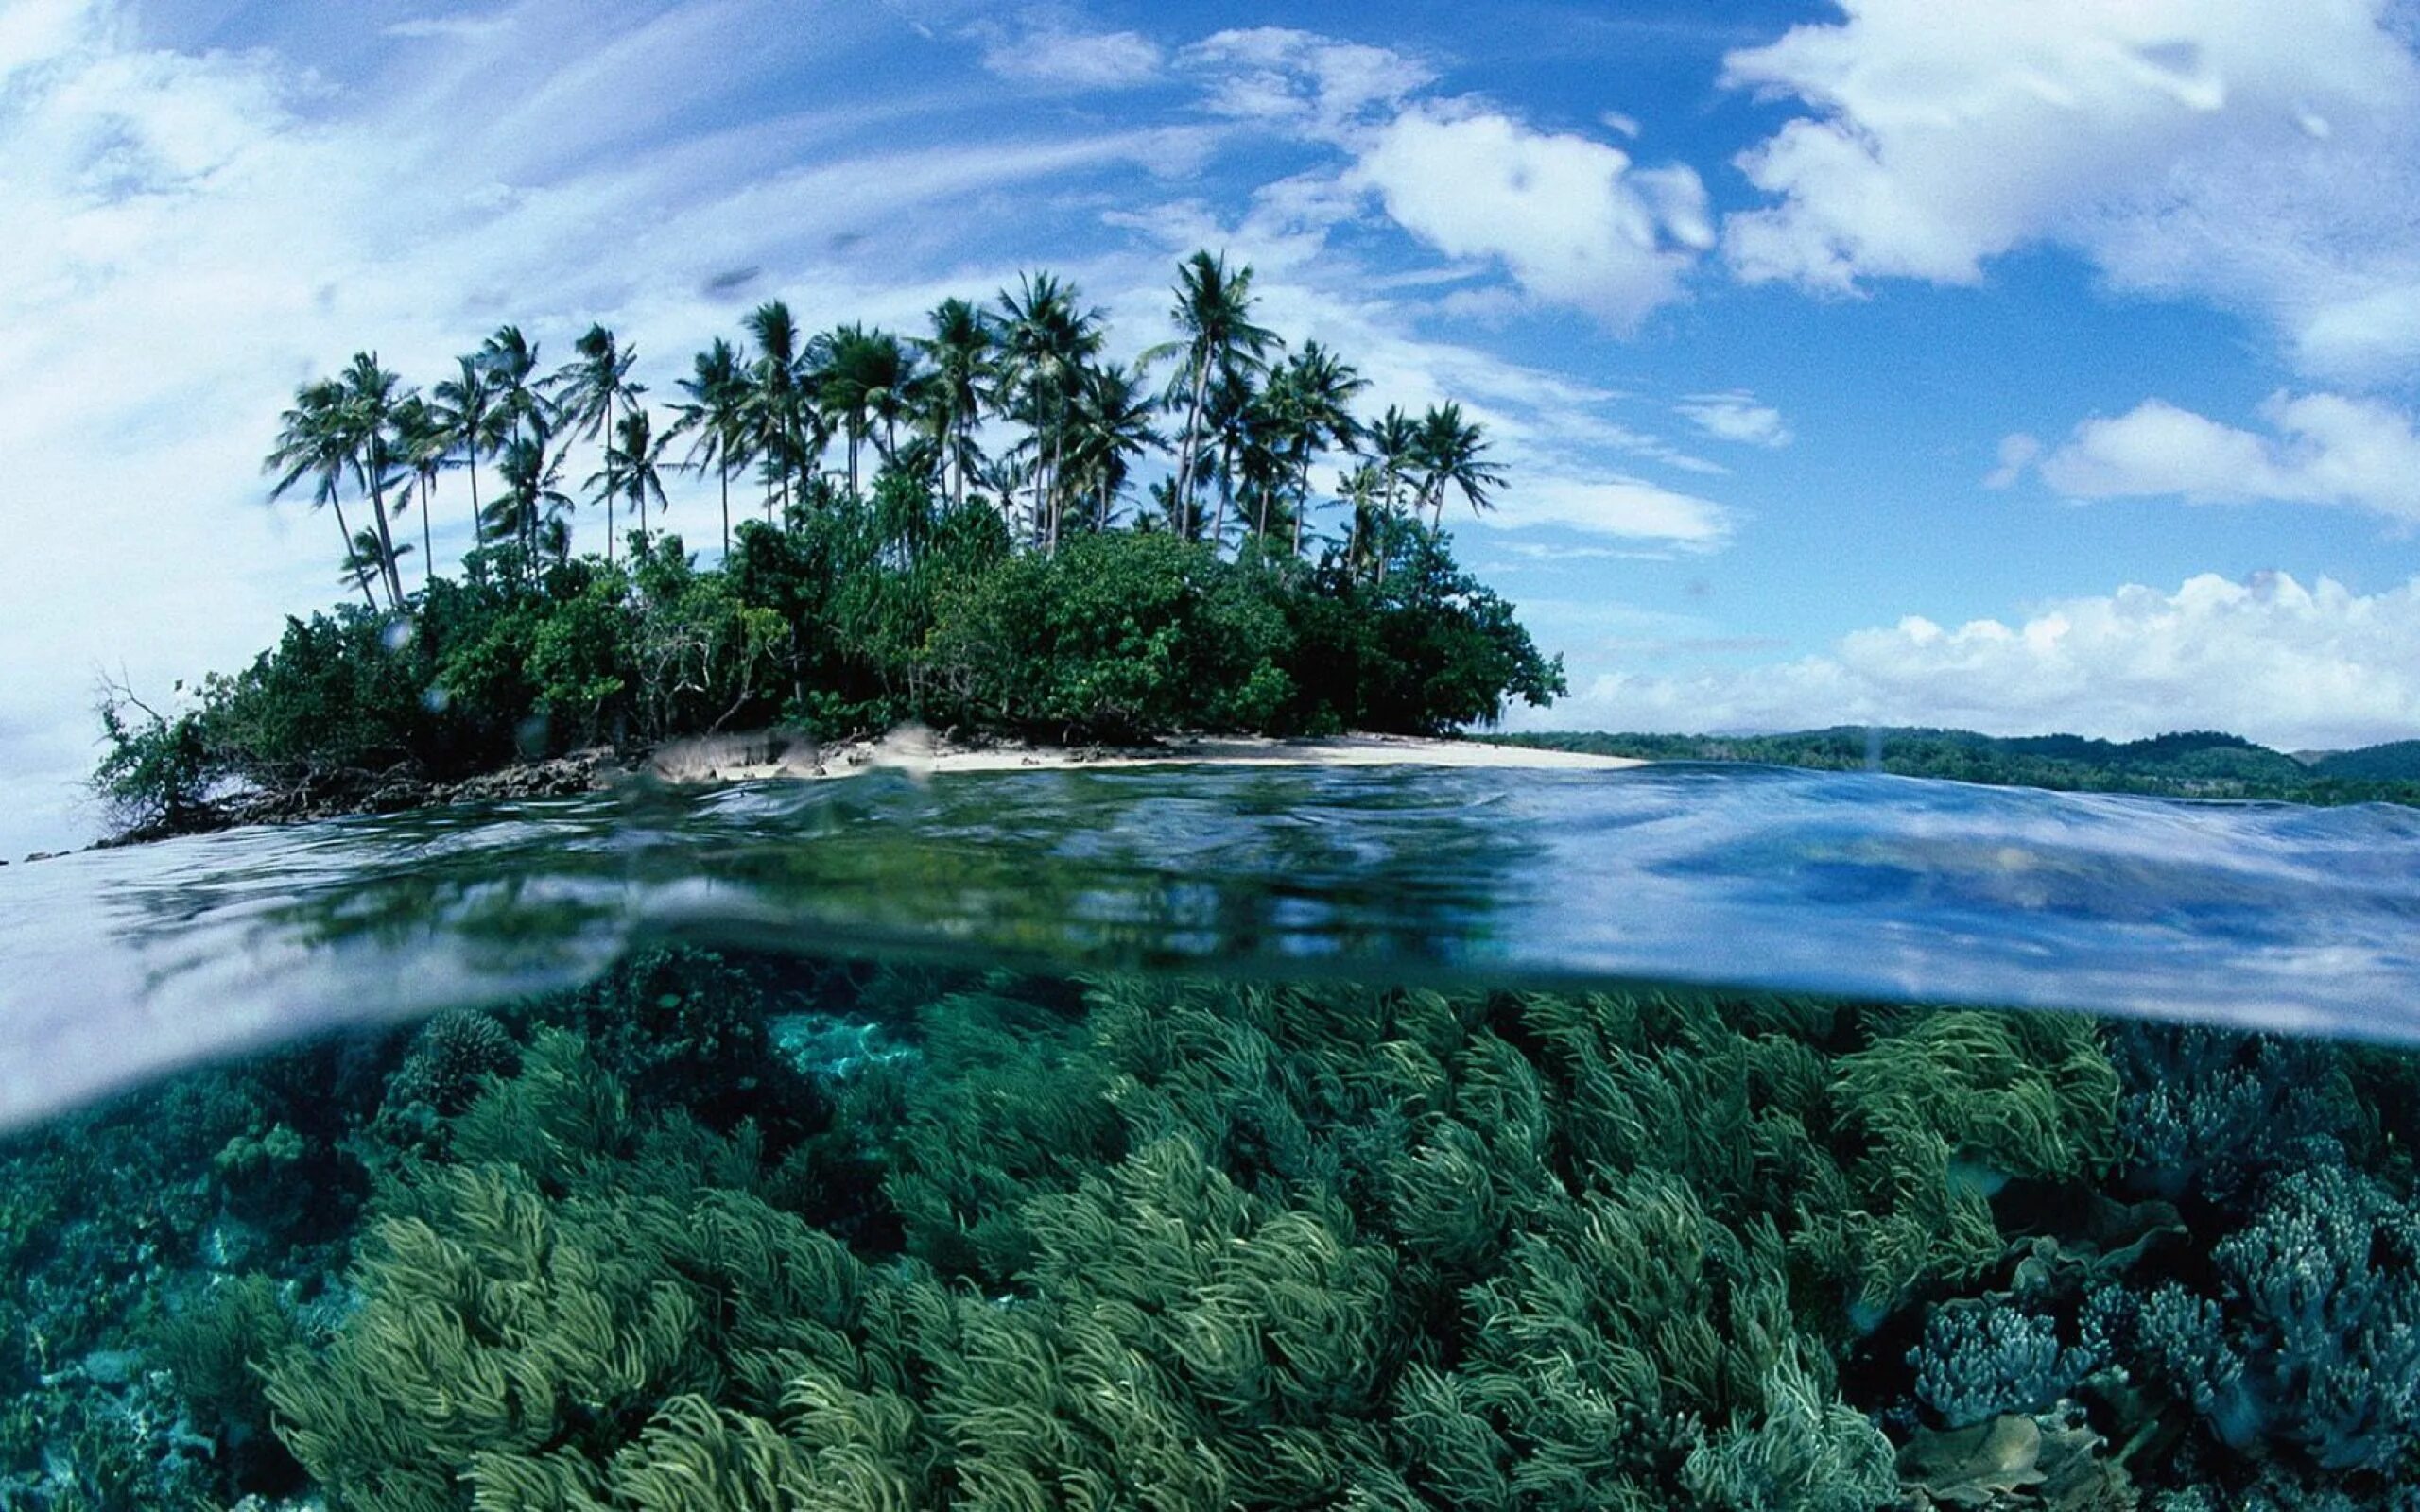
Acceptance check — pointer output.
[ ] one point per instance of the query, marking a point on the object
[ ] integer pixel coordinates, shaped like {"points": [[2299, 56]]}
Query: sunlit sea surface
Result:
{"points": [[2254, 915]]}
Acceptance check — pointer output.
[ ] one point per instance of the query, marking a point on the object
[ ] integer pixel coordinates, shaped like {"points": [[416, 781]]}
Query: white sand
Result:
{"points": [[742, 758]]}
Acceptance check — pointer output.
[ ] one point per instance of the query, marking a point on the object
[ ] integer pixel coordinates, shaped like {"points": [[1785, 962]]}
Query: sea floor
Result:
{"points": [[730, 1232]]}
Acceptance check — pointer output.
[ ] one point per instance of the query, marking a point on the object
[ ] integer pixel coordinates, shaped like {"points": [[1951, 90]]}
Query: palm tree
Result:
{"points": [[1044, 340], [371, 394], [423, 439], [778, 393], [1231, 414], [531, 469], [717, 411], [1448, 455], [1214, 310], [864, 377], [1363, 490], [961, 350], [1395, 442], [312, 442], [369, 556], [1109, 423], [469, 407], [588, 389], [632, 469], [510, 362], [1323, 391]]}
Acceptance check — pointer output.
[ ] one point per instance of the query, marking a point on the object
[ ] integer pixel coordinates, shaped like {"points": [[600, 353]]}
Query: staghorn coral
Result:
{"points": [[1982, 1359], [2208, 1115], [2313, 1339]]}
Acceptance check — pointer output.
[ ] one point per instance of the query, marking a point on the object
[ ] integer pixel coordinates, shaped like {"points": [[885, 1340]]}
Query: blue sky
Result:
{"points": [[2052, 370]]}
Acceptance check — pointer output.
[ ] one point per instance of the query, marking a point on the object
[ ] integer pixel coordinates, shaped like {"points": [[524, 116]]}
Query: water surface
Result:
{"points": [[125, 962]]}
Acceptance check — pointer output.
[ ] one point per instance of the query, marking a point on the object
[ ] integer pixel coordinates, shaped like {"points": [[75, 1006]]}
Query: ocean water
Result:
{"points": [[1366, 1137]]}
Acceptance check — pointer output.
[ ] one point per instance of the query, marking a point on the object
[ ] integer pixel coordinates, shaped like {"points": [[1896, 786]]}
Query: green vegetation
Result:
{"points": [[1188, 1244], [899, 572], [2199, 763]]}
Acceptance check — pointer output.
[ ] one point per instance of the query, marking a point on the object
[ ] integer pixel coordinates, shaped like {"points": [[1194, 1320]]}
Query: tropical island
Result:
{"points": [[942, 529]]}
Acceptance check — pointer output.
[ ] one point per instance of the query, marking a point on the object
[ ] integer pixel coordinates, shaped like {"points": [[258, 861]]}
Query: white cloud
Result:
{"points": [[2016, 453], [459, 27], [2324, 448], [2263, 156], [1616, 506], [2287, 665], [1303, 81], [1057, 59], [1570, 218], [1567, 215], [1733, 415]]}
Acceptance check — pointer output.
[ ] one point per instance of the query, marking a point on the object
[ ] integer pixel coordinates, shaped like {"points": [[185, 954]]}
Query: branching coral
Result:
{"points": [[2314, 1336]]}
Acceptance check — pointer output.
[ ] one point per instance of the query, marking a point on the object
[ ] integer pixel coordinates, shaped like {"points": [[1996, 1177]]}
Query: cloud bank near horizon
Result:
{"points": [[2289, 665]]}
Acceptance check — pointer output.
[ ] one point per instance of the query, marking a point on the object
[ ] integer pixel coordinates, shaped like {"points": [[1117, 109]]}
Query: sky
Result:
{"points": [[2050, 370]]}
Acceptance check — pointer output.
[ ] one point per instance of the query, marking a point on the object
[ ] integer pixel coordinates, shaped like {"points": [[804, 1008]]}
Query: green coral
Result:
{"points": [[1179, 1243]]}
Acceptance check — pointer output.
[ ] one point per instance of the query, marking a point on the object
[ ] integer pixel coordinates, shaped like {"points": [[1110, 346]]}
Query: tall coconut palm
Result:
{"points": [[632, 469], [1231, 415], [959, 351], [1214, 311], [510, 362], [1363, 491], [424, 442], [469, 406], [1450, 454], [1324, 389], [371, 392], [591, 388], [716, 414], [531, 470], [865, 379], [312, 442], [1395, 443], [1110, 424], [1044, 341], [778, 392]]}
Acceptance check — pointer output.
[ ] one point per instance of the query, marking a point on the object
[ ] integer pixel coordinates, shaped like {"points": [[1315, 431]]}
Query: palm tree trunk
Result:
{"points": [[1191, 444], [725, 470], [1302, 504], [385, 537], [428, 552], [479, 530]]}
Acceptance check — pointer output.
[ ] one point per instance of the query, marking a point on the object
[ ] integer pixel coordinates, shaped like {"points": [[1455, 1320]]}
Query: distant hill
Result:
{"points": [[2188, 763], [2398, 761]]}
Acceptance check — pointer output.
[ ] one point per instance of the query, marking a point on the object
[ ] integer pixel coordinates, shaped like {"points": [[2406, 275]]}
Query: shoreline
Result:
{"points": [[765, 754]]}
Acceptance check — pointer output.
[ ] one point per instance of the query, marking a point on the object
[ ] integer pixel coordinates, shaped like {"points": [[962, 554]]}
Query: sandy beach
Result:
{"points": [[764, 754]]}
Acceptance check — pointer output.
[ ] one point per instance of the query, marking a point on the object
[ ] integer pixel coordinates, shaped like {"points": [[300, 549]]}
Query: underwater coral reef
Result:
{"points": [[1178, 1242]]}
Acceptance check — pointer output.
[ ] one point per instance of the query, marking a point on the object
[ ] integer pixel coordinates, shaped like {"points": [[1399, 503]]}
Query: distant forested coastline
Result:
{"points": [[2192, 763], [942, 527]]}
